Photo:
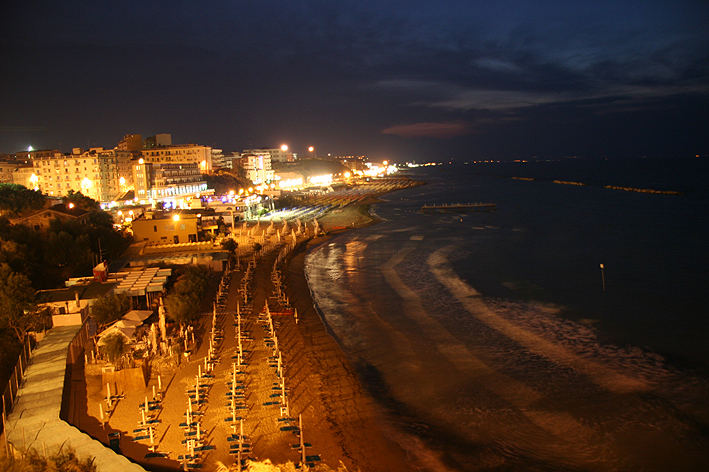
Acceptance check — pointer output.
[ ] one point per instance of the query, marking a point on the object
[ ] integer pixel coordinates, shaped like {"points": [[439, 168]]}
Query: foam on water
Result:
{"points": [[478, 382]]}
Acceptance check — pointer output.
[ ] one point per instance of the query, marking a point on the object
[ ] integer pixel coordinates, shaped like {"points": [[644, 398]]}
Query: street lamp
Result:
{"points": [[284, 147]]}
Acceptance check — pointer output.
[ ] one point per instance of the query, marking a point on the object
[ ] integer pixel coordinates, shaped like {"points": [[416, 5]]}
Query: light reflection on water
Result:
{"points": [[522, 387]]}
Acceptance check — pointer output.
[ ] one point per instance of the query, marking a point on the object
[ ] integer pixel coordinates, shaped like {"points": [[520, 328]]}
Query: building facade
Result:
{"points": [[276, 154], [219, 160], [92, 172], [257, 167], [180, 154], [166, 230], [161, 181], [130, 142]]}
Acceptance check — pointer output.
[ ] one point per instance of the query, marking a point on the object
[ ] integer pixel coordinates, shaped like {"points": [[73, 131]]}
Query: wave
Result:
{"points": [[469, 298], [494, 383]]}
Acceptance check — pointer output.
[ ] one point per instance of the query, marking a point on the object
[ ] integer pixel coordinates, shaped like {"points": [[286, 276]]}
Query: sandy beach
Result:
{"points": [[340, 421]]}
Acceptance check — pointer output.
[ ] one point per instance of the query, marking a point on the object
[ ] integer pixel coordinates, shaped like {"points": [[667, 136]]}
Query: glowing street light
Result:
{"points": [[175, 217], [284, 147], [311, 148]]}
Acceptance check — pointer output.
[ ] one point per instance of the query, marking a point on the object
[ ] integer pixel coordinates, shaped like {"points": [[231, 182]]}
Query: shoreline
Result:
{"points": [[367, 440], [354, 416], [341, 418]]}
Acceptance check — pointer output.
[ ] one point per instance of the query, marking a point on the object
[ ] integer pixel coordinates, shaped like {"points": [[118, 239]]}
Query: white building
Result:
{"points": [[276, 154], [257, 167], [219, 160]]}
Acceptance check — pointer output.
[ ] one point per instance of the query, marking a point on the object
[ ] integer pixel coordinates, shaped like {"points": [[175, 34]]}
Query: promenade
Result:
{"points": [[34, 422]]}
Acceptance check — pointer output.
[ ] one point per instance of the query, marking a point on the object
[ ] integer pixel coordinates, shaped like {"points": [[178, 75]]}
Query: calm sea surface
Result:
{"points": [[488, 336]]}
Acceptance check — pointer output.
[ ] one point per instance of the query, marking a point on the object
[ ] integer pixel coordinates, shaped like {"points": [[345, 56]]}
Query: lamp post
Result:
{"points": [[311, 150], [603, 277]]}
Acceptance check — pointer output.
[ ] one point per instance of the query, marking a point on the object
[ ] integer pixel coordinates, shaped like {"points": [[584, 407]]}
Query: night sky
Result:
{"points": [[397, 80]]}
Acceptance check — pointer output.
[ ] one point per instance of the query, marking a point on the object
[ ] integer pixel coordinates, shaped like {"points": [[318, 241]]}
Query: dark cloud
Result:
{"points": [[429, 130], [336, 74]]}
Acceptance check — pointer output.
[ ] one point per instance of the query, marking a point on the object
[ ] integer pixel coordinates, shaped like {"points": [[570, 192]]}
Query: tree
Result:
{"points": [[229, 245], [82, 201], [113, 346], [110, 307], [182, 307], [183, 301], [17, 198], [17, 309]]}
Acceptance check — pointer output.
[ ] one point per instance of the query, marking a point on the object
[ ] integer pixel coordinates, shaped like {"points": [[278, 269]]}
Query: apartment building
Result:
{"points": [[92, 172], [257, 167], [165, 180], [180, 154], [276, 154]]}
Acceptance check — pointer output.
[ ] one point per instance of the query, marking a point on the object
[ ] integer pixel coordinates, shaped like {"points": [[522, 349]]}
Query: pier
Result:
{"points": [[460, 206]]}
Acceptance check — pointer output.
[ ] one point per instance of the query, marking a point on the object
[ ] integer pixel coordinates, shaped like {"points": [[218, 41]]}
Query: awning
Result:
{"points": [[137, 315]]}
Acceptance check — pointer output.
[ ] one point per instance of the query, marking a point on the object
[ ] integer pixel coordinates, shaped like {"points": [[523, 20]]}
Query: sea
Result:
{"points": [[494, 340]]}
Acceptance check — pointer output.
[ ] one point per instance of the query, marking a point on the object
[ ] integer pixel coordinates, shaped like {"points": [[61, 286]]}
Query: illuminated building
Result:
{"points": [[182, 229], [161, 181], [276, 154], [23, 175], [92, 172], [180, 154], [219, 160], [257, 167]]}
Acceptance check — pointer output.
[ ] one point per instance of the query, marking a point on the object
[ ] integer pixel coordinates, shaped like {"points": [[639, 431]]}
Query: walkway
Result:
{"points": [[34, 422]]}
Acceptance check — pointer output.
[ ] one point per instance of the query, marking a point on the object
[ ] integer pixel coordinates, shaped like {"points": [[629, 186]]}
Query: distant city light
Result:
{"points": [[175, 217], [284, 147], [289, 183], [311, 149], [321, 179], [70, 205], [30, 148]]}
